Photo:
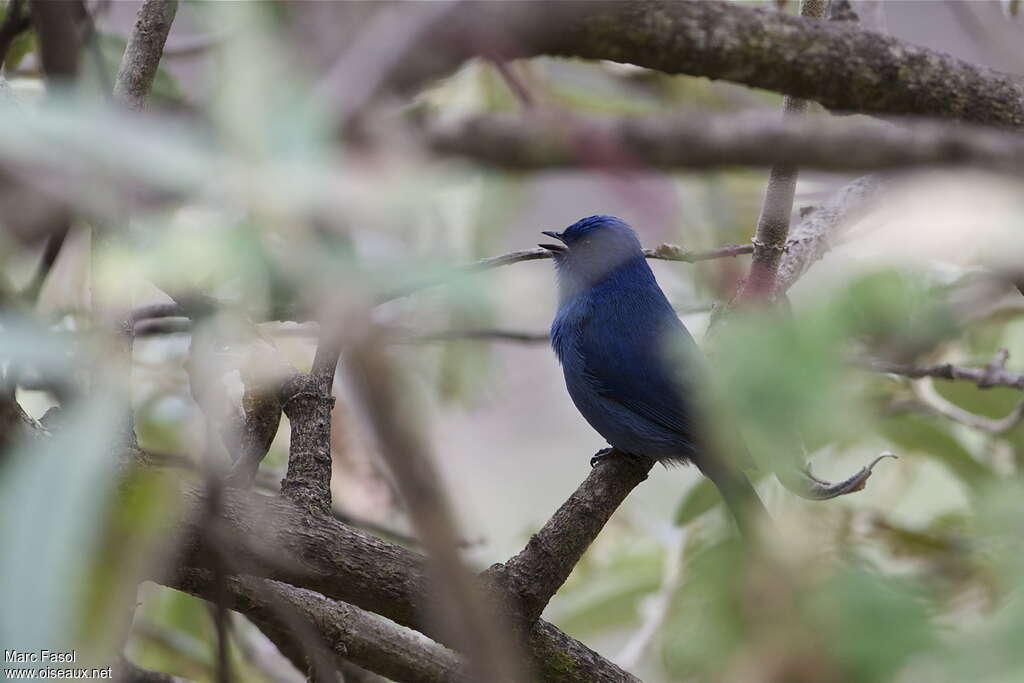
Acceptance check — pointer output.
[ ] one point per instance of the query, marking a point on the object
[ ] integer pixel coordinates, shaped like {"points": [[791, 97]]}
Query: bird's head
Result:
{"points": [[589, 249]]}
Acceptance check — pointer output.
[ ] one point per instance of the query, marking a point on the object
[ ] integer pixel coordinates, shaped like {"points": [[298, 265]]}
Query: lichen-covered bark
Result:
{"points": [[347, 632], [837, 64], [308, 407], [275, 539], [143, 52]]}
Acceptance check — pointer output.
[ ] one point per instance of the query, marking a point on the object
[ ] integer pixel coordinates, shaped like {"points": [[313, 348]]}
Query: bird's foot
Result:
{"points": [[600, 455], [643, 464]]}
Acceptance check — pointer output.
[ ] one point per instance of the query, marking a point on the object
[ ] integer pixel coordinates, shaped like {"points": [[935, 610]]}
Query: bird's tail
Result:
{"points": [[739, 494]]}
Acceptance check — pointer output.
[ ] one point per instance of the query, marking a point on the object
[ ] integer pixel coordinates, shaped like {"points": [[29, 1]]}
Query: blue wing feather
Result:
{"points": [[621, 337]]}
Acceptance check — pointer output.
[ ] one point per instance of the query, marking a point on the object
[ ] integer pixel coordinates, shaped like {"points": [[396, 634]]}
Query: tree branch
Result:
{"points": [[852, 69], [983, 377], [351, 634], [814, 236], [532, 577], [275, 539], [704, 141], [924, 391], [143, 52], [308, 400], [665, 252], [777, 209]]}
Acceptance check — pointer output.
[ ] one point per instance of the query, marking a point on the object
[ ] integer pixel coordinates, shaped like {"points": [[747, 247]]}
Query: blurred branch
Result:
{"points": [[866, 71], [989, 376], [16, 21], [59, 41], [666, 252], [54, 243], [820, 226], [704, 140], [661, 602], [350, 633], [515, 84], [472, 622], [275, 539], [143, 52], [532, 577], [777, 208], [924, 391]]}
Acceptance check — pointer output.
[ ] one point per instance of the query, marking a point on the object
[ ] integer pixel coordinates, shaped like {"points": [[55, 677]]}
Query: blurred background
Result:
{"points": [[251, 180]]}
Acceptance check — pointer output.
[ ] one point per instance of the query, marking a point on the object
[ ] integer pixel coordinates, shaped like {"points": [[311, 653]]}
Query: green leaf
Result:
{"points": [[699, 499], [53, 496]]}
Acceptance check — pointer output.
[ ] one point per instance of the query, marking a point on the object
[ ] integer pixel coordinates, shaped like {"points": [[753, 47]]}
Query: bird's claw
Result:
{"points": [[600, 455]]}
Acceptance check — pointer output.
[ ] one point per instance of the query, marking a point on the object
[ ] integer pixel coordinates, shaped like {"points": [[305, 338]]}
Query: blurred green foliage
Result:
{"points": [[263, 205]]}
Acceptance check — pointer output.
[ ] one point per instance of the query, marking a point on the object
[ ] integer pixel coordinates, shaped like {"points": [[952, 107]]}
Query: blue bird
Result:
{"points": [[630, 365]]}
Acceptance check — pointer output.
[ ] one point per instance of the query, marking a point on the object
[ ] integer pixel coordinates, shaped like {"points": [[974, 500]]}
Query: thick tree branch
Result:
{"points": [[704, 141], [352, 634], [532, 577], [837, 64], [143, 52], [275, 539]]}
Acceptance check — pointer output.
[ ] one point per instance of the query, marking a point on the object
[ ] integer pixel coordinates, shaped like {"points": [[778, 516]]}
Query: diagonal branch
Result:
{"points": [[471, 622], [532, 577], [143, 52], [274, 538], [352, 634], [819, 229]]}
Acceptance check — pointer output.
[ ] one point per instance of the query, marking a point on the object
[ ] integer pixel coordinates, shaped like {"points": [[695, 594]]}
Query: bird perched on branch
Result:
{"points": [[630, 365]]}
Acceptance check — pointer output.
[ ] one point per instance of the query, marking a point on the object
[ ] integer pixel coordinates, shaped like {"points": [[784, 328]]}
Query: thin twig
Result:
{"points": [[773, 224], [924, 391], [664, 252], [658, 610], [980, 376]]}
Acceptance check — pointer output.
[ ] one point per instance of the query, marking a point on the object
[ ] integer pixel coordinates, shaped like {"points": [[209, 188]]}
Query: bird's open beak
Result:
{"points": [[556, 248]]}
